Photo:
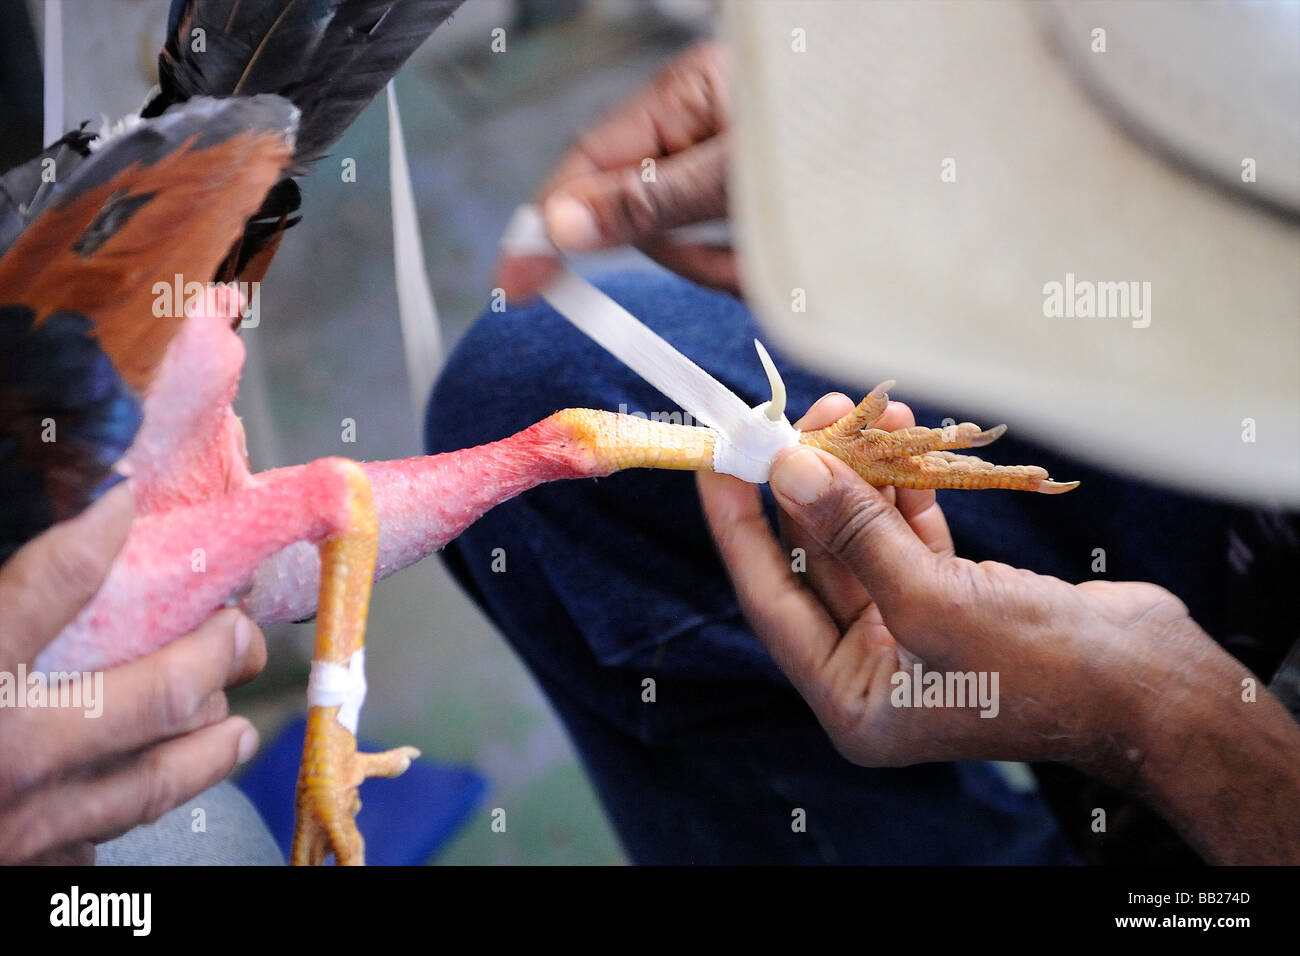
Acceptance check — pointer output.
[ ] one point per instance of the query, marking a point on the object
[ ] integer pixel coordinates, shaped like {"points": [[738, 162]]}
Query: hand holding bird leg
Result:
{"points": [[159, 733], [919, 457], [883, 598], [908, 457]]}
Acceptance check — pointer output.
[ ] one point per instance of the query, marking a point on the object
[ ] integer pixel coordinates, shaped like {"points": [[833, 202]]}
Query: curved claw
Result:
{"points": [[989, 436], [776, 407], [1049, 487], [918, 457]]}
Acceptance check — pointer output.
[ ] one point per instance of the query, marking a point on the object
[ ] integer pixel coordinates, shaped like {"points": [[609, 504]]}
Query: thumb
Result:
{"points": [[854, 522], [635, 203]]}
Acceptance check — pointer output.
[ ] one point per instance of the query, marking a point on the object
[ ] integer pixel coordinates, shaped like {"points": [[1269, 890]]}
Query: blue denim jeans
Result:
{"points": [[611, 582]]}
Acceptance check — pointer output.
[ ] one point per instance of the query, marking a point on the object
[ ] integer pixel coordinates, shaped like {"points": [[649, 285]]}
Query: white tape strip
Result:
{"points": [[339, 685], [748, 439], [421, 334]]}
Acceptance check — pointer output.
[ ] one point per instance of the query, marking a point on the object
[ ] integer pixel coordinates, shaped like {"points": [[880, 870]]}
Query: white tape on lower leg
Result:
{"points": [[752, 461], [339, 685], [747, 438]]}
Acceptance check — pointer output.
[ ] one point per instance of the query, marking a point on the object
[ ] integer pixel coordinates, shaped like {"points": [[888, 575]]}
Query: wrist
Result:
{"points": [[1219, 758]]}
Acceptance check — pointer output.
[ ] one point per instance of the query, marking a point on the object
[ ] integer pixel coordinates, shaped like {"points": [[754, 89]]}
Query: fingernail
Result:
{"points": [[243, 637], [571, 224], [801, 476], [247, 745]]}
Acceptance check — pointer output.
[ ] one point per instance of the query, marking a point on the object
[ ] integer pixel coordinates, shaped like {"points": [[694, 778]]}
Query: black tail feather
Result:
{"points": [[329, 57], [24, 189], [81, 332]]}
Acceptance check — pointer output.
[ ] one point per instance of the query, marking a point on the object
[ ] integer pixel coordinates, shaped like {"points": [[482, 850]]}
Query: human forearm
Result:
{"points": [[1223, 770], [1112, 677]]}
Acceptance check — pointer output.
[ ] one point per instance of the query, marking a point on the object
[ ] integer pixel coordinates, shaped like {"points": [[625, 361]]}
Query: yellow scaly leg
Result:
{"points": [[916, 457], [331, 769]]}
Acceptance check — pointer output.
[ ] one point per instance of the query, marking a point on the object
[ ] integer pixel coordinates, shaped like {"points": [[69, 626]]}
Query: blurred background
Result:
{"points": [[483, 129]]}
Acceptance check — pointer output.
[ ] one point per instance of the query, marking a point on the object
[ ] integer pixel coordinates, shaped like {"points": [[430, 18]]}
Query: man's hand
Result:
{"points": [[600, 195], [1112, 677], [68, 781]]}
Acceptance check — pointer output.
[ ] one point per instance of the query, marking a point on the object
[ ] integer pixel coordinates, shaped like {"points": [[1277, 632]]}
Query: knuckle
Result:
{"points": [[637, 210], [961, 585], [964, 577], [590, 143], [842, 707], [215, 709], [864, 750], [97, 803], [676, 193], [1161, 598], [158, 793], [176, 698], [696, 88], [1010, 591], [854, 525], [841, 715]]}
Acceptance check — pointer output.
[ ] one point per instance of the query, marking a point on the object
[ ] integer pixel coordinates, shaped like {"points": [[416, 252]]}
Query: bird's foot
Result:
{"points": [[920, 457], [328, 801]]}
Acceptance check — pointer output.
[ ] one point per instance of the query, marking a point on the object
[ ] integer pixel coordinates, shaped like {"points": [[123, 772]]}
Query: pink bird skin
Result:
{"points": [[207, 530]]}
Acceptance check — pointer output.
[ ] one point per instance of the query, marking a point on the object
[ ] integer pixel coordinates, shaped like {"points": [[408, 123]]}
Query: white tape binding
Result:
{"points": [[416, 311], [339, 685], [748, 438]]}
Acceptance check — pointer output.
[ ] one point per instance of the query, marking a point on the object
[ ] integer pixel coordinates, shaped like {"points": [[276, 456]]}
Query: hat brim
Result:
{"points": [[910, 190]]}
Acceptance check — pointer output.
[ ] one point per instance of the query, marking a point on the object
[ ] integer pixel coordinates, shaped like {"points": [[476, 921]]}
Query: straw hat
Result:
{"points": [[1081, 219]]}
